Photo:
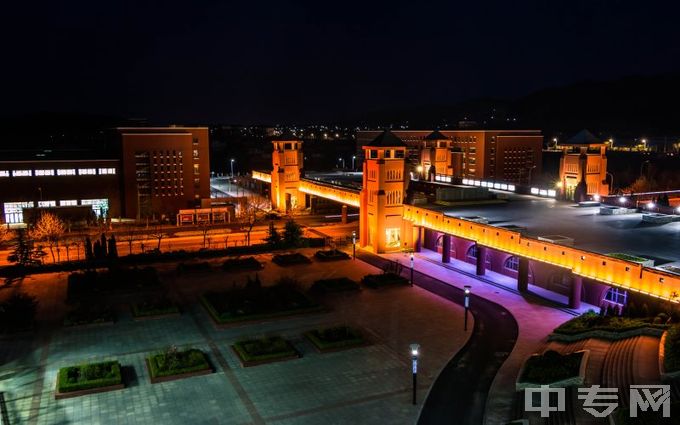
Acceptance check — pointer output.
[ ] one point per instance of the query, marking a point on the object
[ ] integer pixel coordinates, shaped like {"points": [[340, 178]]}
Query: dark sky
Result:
{"points": [[278, 61]]}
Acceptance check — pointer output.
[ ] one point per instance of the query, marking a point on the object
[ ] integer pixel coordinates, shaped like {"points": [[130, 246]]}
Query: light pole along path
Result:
{"points": [[458, 395]]}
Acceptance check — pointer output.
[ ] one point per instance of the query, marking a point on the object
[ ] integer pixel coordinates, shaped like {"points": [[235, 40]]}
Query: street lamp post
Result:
{"points": [[232, 167], [411, 269], [414, 363], [611, 181], [467, 305], [341, 159], [353, 158], [354, 244]]}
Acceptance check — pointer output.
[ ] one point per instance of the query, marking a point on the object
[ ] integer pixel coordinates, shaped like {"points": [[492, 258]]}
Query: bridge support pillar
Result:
{"points": [[523, 275], [418, 238], [344, 214], [575, 294], [446, 248], [481, 260]]}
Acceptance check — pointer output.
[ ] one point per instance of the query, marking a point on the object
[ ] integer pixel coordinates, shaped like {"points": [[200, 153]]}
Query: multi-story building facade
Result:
{"points": [[501, 155], [164, 169], [77, 188], [153, 173], [583, 167]]}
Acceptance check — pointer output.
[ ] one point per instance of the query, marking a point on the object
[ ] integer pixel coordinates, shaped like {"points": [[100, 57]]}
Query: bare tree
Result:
{"points": [[253, 209], [205, 228], [158, 234], [129, 235], [49, 229]]}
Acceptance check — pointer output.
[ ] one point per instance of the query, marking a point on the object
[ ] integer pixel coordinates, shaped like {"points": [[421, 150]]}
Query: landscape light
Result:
{"points": [[596, 197], [622, 199], [650, 205]]}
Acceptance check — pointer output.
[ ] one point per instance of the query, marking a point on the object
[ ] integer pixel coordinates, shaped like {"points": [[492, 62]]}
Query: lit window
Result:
{"points": [[44, 172], [68, 203], [66, 172], [107, 171], [47, 204], [393, 237], [86, 171], [4, 173], [195, 153], [512, 263], [22, 173], [196, 169]]}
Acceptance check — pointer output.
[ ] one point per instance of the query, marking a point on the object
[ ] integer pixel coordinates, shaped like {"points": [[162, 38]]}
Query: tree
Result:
{"points": [[103, 245], [158, 234], [89, 251], [273, 237], [113, 249], [292, 234], [6, 234], [129, 236], [205, 228], [249, 211], [24, 252], [50, 229]]}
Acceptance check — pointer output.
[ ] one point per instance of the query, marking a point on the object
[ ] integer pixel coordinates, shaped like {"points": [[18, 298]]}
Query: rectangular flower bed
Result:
{"points": [[85, 315], [253, 352], [93, 283], [339, 284], [335, 338], [591, 321], [384, 279], [241, 264], [331, 255], [155, 308], [256, 303], [284, 260], [200, 266], [74, 381], [176, 364]]}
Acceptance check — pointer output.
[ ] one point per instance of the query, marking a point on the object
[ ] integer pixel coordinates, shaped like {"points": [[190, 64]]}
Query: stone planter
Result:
{"points": [[157, 379]]}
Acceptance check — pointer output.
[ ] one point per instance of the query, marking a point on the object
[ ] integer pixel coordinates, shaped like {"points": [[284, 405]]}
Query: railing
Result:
{"points": [[343, 195], [613, 271], [262, 176]]}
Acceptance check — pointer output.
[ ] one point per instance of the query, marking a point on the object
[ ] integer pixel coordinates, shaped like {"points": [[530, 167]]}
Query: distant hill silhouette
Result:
{"points": [[633, 105]]}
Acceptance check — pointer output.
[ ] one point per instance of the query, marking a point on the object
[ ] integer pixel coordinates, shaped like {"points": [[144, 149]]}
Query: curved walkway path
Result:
{"points": [[461, 389]]}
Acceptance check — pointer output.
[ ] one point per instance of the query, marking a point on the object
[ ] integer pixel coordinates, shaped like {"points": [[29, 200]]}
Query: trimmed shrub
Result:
{"points": [[176, 362], [89, 376], [551, 367], [239, 264], [384, 279], [338, 284], [331, 255], [263, 349], [285, 260]]}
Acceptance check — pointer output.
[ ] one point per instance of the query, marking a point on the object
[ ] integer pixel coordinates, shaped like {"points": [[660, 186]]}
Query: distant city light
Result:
{"points": [[419, 168], [596, 197], [650, 205], [622, 199]]}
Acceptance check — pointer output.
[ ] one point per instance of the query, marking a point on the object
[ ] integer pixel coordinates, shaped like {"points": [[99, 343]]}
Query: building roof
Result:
{"points": [[387, 139], [286, 136], [436, 135], [583, 137]]}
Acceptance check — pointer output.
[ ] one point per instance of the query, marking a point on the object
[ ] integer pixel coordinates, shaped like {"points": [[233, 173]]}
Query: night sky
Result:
{"points": [[300, 61]]}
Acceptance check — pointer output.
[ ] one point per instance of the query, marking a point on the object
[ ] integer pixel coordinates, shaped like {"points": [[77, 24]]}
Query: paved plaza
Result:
{"points": [[370, 384]]}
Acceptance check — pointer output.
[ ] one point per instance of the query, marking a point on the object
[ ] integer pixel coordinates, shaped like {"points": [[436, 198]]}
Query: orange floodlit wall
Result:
{"points": [[620, 273], [335, 193], [259, 175]]}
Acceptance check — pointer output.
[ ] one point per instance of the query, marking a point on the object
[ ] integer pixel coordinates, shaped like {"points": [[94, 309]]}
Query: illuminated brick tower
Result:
{"points": [[287, 161], [435, 156], [384, 188]]}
